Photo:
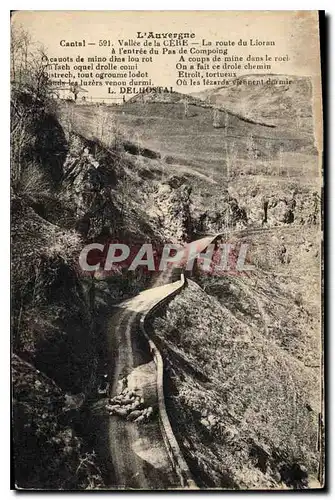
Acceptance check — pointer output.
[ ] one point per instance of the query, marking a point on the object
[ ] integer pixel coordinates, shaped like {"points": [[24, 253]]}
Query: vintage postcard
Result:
{"points": [[166, 216]]}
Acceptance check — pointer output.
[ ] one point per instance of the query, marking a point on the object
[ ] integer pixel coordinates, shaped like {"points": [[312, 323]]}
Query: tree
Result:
{"points": [[280, 160], [29, 64], [226, 122], [107, 128], [216, 118], [74, 89], [29, 101], [19, 48], [252, 151], [186, 107], [231, 157]]}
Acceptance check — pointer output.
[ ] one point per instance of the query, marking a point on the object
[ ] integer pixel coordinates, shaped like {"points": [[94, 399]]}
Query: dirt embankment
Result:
{"points": [[48, 452], [53, 309]]}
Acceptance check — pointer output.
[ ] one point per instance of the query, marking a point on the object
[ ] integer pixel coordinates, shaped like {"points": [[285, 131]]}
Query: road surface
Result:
{"points": [[135, 454]]}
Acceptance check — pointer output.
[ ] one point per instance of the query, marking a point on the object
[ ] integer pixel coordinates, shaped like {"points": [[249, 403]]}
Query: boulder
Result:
{"points": [[140, 419], [121, 412], [133, 415]]}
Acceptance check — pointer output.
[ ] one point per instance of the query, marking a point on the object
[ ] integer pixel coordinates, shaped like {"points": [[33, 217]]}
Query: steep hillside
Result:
{"points": [[278, 103], [66, 192], [47, 452], [52, 309], [212, 151], [196, 136], [244, 408], [88, 192]]}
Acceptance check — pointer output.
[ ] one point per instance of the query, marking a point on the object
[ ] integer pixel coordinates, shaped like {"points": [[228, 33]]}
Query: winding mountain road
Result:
{"points": [[138, 457]]}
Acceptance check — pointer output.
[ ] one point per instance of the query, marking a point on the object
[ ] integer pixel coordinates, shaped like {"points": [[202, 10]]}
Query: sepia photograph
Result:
{"points": [[166, 201]]}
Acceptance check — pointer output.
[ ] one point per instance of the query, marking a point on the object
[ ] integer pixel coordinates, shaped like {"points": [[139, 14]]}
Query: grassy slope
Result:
{"points": [[278, 104], [241, 405], [192, 140], [190, 147]]}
